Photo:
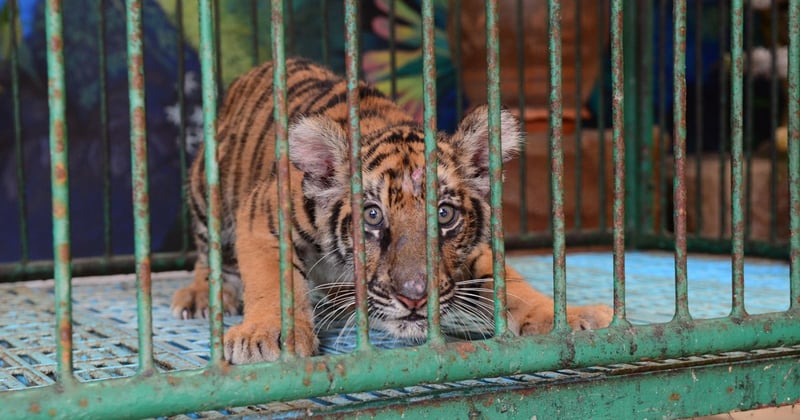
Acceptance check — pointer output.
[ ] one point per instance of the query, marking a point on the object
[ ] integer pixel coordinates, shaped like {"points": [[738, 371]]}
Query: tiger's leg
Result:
{"points": [[258, 338], [192, 301], [531, 312]]}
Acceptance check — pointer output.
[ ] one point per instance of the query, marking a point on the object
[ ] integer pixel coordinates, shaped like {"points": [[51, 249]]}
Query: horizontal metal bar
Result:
{"points": [[230, 386], [677, 393], [93, 266]]}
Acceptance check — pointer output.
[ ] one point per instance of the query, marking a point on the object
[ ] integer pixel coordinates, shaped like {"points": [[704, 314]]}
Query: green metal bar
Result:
{"points": [[737, 159], [241, 385], [209, 77], [435, 337], [352, 63], [523, 176], [557, 169], [723, 126], [496, 166], [457, 61], [59, 181], [698, 120], [794, 151], [578, 119], [93, 266], [104, 133], [141, 197], [19, 153], [673, 393], [679, 154], [618, 111]]}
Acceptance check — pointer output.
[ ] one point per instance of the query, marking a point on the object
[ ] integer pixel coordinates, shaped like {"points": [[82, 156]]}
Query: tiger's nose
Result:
{"points": [[413, 292]]}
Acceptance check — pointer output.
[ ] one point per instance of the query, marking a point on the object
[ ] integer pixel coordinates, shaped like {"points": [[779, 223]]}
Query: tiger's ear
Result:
{"points": [[318, 147], [472, 141]]}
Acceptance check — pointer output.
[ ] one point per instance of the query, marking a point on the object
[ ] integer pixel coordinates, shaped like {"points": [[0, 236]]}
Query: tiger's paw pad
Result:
{"points": [[260, 342], [192, 302], [590, 317]]}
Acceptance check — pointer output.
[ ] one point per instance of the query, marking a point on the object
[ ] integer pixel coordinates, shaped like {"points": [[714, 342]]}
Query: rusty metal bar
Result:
{"points": [[431, 173], [618, 111], [557, 169], [496, 166], [209, 77], [352, 63], [737, 159], [794, 152], [59, 179], [141, 196], [679, 154], [19, 152]]}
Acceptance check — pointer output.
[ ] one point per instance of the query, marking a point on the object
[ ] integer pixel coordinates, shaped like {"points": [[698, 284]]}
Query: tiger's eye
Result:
{"points": [[373, 216], [447, 214]]}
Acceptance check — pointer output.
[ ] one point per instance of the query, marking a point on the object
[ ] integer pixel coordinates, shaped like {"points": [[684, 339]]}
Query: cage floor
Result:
{"points": [[105, 341]]}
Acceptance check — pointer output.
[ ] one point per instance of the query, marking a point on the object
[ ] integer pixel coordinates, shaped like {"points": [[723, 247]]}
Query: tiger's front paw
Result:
{"points": [[192, 301], [589, 317], [252, 342]]}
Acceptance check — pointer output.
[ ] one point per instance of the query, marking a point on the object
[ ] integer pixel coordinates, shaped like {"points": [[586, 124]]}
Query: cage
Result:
{"points": [[659, 173]]}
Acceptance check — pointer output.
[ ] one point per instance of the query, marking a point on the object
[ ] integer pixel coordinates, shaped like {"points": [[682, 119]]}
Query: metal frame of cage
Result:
{"points": [[750, 380]]}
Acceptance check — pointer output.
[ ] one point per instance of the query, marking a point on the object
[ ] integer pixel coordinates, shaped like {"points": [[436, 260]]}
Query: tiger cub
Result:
{"points": [[394, 219]]}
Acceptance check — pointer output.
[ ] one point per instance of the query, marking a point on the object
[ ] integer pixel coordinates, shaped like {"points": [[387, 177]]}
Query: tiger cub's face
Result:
{"points": [[394, 222]]}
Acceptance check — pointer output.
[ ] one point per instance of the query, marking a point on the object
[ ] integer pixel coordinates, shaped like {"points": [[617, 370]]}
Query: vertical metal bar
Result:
{"points": [[679, 153], [141, 199], [618, 110], [602, 9], [104, 133], [208, 63], [182, 158], [59, 178], [698, 113], [794, 151], [457, 61], [496, 164], [774, 110], [352, 63], [255, 29], [662, 114], [557, 168], [392, 50], [19, 155], [431, 173], [523, 196], [723, 126], [578, 119], [737, 163]]}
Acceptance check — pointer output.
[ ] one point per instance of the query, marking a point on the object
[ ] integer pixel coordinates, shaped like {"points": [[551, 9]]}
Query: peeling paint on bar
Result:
{"points": [[618, 130], [794, 151], [737, 159], [59, 175], [141, 196], [209, 79]]}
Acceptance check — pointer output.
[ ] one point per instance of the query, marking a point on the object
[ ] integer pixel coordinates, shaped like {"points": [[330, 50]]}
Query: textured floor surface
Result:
{"points": [[105, 318]]}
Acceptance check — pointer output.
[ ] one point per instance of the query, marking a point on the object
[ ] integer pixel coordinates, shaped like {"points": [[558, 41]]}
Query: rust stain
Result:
{"points": [[464, 348], [767, 327], [60, 172], [63, 252], [341, 370], [83, 403], [139, 126], [52, 412], [173, 381], [730, 390], [35, 408], [674, 397], [58, 129]]}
